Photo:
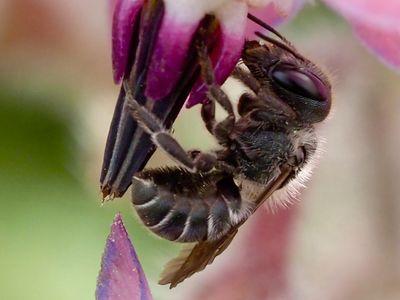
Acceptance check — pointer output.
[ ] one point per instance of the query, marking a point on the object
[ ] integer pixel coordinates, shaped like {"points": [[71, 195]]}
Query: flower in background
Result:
{"points": [[121, 276], [376, 23]]}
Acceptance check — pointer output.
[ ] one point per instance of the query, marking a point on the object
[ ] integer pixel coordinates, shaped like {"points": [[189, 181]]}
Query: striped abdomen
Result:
{"points": [[187, 207]]}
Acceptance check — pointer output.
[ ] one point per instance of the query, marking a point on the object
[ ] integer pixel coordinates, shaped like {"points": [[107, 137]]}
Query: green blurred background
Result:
{"points": [[56, 102]]}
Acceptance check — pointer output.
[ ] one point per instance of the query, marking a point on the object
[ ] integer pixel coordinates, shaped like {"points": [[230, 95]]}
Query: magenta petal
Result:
{"points": [[124, 16], [377, 23], [227, 52], [121, 276], [112, 4], [273, 15], [169, 55], [384, 44]]}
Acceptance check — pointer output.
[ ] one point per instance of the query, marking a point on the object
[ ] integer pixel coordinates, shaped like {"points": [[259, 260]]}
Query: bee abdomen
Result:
{"points": [[178, 216]]}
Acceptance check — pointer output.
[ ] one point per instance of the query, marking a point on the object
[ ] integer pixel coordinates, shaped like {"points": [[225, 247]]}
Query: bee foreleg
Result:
{"points": [[215, 94], [298, 158], [296, 162], [220, 130], [246, 78]]}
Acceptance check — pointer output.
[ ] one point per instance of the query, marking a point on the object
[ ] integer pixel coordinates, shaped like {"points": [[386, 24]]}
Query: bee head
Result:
{"points": [[289, 77]]}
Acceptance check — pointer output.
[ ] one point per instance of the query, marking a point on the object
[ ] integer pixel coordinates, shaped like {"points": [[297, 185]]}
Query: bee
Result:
{"points": [[262, 150]]}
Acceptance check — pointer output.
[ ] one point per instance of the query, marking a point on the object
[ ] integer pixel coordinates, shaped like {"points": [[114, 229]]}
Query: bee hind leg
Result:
{"points": [[164, 140]]}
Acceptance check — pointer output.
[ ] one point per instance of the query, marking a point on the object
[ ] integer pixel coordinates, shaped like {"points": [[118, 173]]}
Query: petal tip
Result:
{"points": [[121, 275]]}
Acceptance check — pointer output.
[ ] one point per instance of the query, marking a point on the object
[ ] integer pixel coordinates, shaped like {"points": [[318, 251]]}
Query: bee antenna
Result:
{"points": [[279, 44], [266, 26], [285, 44]]}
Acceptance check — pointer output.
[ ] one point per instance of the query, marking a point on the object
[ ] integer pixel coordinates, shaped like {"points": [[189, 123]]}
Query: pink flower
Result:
{"points": [[154, 48], [177, 27], [376, 23]]}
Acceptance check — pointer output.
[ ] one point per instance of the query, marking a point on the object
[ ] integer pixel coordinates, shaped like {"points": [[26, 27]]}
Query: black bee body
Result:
{"points": [[187, 207], [267, 145]]}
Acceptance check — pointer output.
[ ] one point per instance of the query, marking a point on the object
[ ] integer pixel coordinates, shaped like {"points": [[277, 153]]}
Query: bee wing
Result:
{"points": [[194, 258]]}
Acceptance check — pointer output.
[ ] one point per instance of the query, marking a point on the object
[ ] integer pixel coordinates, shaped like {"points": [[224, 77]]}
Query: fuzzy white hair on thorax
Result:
{"points": [[289, 194]]}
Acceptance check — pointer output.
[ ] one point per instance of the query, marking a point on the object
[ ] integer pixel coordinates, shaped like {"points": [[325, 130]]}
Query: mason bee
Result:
{"points": [[267, 147]]}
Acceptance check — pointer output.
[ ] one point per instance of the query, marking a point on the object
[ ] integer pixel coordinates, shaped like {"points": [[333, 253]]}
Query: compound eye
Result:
{"points": [[307, 85]]}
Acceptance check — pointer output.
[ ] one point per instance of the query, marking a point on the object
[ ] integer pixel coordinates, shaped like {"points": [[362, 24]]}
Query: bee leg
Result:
{"points": [[163, 139], [214, 90], [247, 103], [197, 155], [296, 161], [208, 116], [246, 78], [222, 129], [248, 100]]}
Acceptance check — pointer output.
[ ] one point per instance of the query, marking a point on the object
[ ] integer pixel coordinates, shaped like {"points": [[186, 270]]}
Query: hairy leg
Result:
{"points": [[163, 139], [221, 130], [247, 79]]}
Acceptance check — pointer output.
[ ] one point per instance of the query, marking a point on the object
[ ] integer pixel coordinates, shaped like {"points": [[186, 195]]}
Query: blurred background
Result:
{"points": [[56, 103]]}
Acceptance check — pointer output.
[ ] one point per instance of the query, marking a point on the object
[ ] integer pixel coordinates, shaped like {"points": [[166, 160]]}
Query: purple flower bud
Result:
{"points": [[121, 276]]}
